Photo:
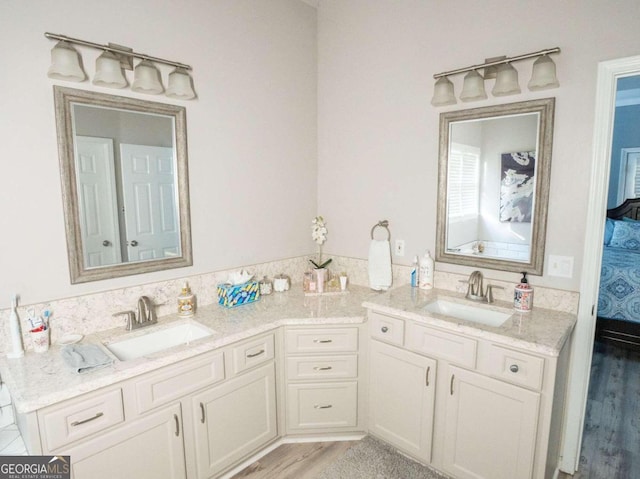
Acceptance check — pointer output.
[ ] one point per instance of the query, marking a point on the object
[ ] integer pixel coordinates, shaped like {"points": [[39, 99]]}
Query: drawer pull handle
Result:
{"points": [[202, 418], [323, 341], [514, 368], [175, 416], [322, 368], [77, 423], [328, 406], [427, 375], [255, 354], [384, 329], [451, 385]]}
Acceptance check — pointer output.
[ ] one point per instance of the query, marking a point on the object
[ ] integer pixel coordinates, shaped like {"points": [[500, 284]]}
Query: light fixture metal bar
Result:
{"points": [[498, 62], [118, 51]]}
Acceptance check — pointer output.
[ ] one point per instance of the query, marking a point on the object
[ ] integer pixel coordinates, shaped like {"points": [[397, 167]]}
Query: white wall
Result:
{"points": [[378, 133], [251, 132]]}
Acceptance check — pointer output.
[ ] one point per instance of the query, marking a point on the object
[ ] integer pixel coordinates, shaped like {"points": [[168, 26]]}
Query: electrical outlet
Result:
{"points": [[399, 250], [561, 266]]}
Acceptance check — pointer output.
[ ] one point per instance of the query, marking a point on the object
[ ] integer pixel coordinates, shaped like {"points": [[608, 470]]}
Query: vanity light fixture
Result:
{"points": [[66, 65], [109, 71], [473, 87], [502, 69]]}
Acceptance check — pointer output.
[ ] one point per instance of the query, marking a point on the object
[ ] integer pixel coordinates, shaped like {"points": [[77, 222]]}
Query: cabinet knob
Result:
{"points": [[514, 368], [384, 329]]}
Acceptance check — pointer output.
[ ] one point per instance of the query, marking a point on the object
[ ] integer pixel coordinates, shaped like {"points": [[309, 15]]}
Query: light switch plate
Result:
{"points": [[399, 249], [560, 266]]}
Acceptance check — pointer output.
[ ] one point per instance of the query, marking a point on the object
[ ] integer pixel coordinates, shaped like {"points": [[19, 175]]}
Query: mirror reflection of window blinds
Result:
{"points": [[463, 181]]}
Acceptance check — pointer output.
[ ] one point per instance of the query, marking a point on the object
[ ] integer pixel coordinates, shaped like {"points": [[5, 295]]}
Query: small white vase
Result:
{"points": [[321, 276]]}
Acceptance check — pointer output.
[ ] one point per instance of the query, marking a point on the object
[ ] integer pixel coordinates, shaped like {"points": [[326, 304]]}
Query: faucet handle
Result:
{"points": [[489, 295], [130, 318]]}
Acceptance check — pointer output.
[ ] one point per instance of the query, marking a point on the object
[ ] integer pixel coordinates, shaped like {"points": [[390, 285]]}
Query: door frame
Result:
{"points": [[584, 332]]}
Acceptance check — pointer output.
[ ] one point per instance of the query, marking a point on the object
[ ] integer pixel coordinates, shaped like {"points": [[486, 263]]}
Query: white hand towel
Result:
{"points": [[380, 276]]}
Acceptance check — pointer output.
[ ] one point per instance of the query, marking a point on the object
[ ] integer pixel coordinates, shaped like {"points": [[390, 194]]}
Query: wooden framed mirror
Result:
{"points": [[493, 185], [124, 173]]}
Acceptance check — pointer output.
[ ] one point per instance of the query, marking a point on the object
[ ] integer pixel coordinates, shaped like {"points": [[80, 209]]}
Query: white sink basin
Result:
{"points": [[155, 341], [467, 312]]}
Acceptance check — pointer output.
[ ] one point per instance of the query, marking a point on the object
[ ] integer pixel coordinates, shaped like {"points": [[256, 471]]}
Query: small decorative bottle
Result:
{"points": [[186, 302]]}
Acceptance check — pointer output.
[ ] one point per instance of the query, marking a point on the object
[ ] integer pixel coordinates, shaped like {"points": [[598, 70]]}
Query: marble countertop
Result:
{"points": [[39, 380], [541, 331]]}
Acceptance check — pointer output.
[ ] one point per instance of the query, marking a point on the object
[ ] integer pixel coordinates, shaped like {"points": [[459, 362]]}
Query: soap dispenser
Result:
{"points": [[186, 301], [523, 295]]}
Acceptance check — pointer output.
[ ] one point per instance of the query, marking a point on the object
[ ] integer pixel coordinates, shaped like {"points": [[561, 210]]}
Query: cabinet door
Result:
{"points": [[234, 419], [490, 427], [401, 398], [148, 448]]}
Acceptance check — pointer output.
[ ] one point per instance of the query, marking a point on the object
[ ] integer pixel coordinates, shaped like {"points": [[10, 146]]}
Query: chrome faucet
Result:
{"points": [[146, 315], [475, 288]]}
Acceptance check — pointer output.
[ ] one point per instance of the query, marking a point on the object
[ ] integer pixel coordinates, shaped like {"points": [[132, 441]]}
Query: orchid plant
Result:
{"points": [[319, 235]]}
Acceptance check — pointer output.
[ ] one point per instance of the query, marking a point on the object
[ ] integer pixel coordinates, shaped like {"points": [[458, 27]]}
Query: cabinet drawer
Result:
{"points": [[515, 367], [442, 345], [322, 367], [322, 405], [176, 381], [252, 353], [319, 340], [387, 328], [79, 418]]}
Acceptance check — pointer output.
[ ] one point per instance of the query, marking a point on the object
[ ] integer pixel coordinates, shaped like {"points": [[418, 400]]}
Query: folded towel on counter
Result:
{"points": [[83, 358], [380, 275]]}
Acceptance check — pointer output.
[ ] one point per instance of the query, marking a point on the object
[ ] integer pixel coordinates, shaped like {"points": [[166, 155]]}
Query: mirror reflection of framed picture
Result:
{"points": [[517, 185]]}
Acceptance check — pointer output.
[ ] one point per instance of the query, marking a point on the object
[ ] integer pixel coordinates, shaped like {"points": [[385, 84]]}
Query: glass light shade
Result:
{"points": [[473, 87], [65, 63], [109, 72], [180, 85], [443, 93], [146, 79], [543, 75], [506, 81]]}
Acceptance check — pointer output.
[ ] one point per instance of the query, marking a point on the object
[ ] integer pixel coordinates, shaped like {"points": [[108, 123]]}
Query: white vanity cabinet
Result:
{"points": [[402, 398], [322, 388], [195, 418], [149, 447], [238, 417], [468, 406]]}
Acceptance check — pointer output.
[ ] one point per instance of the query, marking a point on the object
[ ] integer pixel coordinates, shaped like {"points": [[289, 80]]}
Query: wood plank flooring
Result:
{"points": [[296, 461], [611, 440]]}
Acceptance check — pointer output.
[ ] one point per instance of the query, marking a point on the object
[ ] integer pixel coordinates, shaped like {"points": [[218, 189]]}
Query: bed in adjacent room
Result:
{"points": [[619, 294]]}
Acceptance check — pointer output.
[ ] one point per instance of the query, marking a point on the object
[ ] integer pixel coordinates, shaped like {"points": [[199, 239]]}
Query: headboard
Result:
{"points": [[629, 209]]}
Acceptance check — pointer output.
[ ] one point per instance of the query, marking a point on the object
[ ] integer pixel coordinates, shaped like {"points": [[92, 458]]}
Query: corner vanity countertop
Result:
{"points": [[39, 380], [542, 331]]}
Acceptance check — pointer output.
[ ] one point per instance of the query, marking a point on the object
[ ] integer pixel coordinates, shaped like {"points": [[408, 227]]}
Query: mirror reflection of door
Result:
{"points": [[129, 205], [97, 205], [149, 206]]}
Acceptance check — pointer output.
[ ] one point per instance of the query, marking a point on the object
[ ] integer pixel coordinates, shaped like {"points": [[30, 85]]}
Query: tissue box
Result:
{"points": [[231, 295]]}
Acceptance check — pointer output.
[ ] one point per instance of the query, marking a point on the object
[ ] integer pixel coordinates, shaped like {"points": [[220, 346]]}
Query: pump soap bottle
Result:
{"points": [[523, 295], [186, 301], [17, 349]]}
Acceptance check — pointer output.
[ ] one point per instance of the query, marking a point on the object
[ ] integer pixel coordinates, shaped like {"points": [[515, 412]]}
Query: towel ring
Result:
{"points": [[382, 224]]}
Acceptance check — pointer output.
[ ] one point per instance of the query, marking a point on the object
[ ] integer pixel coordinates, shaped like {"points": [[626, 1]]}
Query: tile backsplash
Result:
{"points": [[94, 312]]}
